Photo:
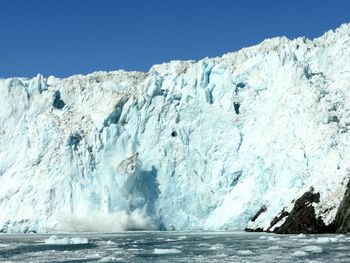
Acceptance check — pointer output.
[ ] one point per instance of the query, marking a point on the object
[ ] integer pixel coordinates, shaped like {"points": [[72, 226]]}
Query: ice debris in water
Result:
{"points": [[110, 259], [340, 236], [300, 253], [166, 251], [327, 239], [274, 248], [273, 238], [217, 246], [55, 240], [312, 249], [245, 252]]}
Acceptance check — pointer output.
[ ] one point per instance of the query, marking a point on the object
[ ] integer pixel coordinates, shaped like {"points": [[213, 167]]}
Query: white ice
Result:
{"points": [[312, 249], [166, 251], [55, 240], [188, 145]]}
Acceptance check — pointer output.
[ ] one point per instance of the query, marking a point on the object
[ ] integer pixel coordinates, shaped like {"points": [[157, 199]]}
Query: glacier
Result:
{"points": [[188, 145]]}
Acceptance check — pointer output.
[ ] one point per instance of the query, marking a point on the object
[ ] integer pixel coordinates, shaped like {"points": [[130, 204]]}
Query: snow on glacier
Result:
{"points": [[188, 145]]}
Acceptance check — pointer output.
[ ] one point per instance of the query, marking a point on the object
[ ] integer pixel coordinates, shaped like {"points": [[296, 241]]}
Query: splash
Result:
{"points": [[113, 222]]}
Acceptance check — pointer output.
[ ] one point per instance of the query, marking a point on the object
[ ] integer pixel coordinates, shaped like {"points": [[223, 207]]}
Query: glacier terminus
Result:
{"points": [[255, 140]]}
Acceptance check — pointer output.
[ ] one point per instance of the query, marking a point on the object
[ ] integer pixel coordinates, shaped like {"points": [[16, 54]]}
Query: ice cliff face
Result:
{"points": [[188, 145]]}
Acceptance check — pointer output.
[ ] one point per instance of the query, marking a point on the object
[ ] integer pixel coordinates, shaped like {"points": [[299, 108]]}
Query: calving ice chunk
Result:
{"points": [[240, 141]]}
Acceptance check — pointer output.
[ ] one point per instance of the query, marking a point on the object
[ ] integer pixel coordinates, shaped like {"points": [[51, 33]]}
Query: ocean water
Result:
{"points": [[174, 247]]}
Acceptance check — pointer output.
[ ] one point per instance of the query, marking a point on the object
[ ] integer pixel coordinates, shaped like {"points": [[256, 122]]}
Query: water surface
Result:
{"points": [[174, 247]]}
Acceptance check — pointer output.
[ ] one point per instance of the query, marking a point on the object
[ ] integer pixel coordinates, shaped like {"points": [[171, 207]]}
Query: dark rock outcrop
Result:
{"points": [[341, 222], [277, 219], [302, 218], [259, 229], [261, 210]]}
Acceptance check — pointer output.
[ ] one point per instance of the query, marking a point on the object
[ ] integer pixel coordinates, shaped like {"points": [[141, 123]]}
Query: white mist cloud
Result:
{"points": [[114, 222]]}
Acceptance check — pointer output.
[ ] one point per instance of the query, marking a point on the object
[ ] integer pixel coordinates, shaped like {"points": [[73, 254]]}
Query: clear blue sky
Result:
{"points": [[65, 37]]}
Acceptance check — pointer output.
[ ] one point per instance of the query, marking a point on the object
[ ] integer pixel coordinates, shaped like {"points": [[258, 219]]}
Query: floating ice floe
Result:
{"points": [[312, 249], [55, 240], [274, 248], [166, 251], [300, 253], [111, 259], [327, 239], [245, 252], [217, 246]]}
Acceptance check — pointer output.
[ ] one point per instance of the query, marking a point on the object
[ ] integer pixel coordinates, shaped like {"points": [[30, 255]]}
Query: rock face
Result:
{"points": [[302, 218], [341, 222], [210, 144]]}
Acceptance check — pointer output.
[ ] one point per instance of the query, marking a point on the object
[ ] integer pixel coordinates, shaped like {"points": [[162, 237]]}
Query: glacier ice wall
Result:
{"points": [[188, 145]]}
